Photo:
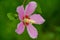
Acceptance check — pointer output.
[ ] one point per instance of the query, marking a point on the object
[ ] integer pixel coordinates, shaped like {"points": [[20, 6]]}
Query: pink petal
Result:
{"points": [[20, 10], [32, 31], [37, 18], [20, 28], [30, 8]]}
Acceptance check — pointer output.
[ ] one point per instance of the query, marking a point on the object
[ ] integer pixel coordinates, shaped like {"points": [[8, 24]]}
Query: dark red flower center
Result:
{"points": [[26, 20]]}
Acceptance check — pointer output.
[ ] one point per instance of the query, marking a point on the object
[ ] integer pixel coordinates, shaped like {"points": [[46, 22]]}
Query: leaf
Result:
{"points": [[38, 9], [12, 16]]}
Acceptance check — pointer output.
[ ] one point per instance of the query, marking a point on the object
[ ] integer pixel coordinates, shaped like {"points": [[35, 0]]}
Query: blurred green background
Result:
{"points": [[49, 9]]}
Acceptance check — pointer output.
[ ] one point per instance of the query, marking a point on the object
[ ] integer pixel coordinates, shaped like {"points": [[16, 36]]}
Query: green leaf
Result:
{"points": [[39, 9], [12, 16]]}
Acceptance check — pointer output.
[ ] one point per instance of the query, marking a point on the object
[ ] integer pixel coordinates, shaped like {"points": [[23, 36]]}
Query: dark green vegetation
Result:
{"points": [[49, 9]]}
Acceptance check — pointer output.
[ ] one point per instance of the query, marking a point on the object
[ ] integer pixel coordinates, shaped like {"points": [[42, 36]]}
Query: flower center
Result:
{"points": [[27, 20]]}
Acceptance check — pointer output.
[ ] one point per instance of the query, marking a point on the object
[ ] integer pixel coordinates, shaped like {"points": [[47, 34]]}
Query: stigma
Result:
{"points": [[27, 20]]}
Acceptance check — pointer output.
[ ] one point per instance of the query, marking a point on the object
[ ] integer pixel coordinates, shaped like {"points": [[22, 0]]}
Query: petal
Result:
{"points": [[20, 28], [20, 10], [30, 8], [32, 31], [37, 18]]}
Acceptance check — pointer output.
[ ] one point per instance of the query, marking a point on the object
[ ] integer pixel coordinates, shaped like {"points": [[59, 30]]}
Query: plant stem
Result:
{"points": [[24, 2]]}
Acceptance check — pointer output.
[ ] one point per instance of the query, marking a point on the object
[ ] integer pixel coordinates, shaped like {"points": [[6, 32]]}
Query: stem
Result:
{"points": [[24, 2]]}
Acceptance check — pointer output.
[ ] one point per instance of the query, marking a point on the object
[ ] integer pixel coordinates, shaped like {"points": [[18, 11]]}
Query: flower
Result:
{"points": [[27, 19]]}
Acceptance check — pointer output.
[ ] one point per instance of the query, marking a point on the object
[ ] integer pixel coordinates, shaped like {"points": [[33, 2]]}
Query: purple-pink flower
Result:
{"points": [[27, 18]]}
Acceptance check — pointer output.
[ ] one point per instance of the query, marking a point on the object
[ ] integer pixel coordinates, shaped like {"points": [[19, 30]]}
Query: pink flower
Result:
{"points": [[27, 19]]}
